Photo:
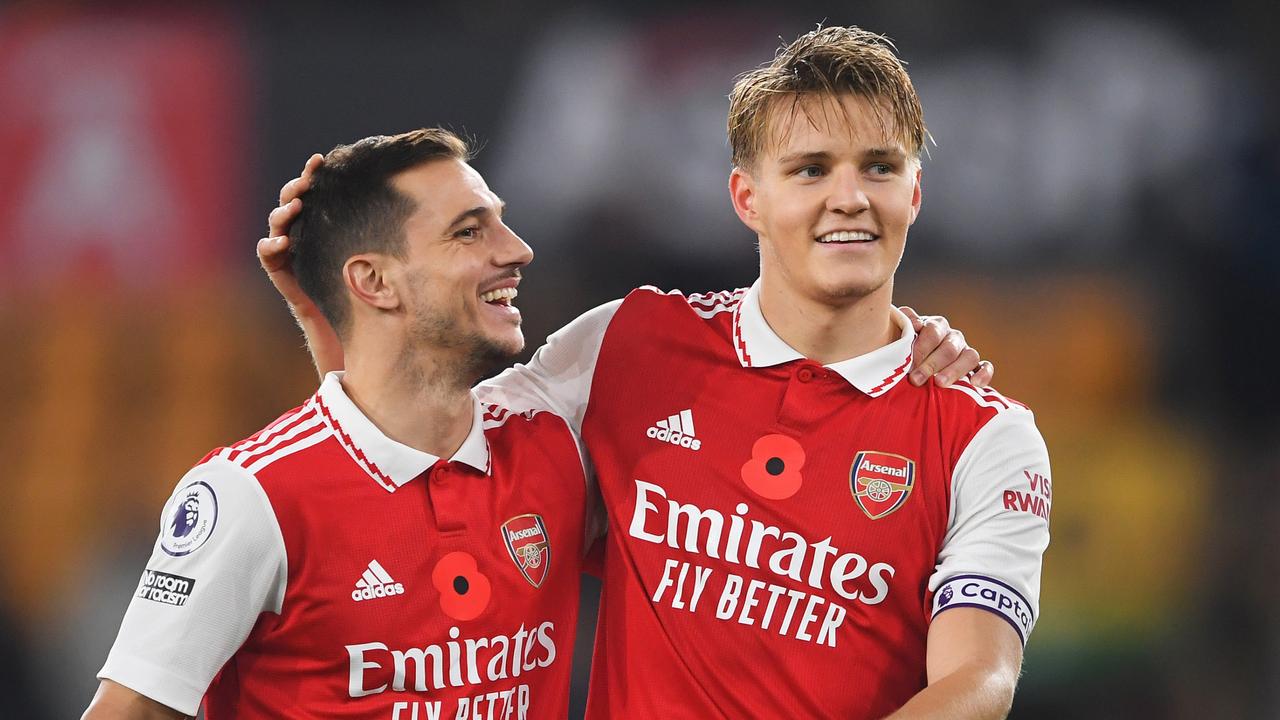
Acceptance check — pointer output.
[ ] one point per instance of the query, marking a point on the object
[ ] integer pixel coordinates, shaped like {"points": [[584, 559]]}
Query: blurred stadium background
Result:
{"points": [[1099, 218]]}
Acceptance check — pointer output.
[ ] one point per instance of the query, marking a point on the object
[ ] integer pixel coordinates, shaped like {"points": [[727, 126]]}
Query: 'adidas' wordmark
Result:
{"points": [[677, 430], [376, 582]]}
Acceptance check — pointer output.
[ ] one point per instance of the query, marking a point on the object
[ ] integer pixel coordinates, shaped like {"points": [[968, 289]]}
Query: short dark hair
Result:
{"points": [[353, 208]]}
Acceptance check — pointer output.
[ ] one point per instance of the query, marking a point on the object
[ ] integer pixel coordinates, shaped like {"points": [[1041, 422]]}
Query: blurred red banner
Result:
{"points": [[124, 145]]}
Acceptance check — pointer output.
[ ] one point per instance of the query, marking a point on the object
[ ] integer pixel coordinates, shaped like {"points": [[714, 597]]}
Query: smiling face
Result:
{"points": [[462, 264], [831, 197]]}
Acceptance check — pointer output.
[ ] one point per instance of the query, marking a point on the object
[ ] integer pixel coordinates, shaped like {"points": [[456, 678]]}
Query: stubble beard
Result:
{"points": [[467, 355]]}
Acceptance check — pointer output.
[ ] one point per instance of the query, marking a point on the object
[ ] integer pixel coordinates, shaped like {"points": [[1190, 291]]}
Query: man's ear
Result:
{"points": [[367, 277], [742, 192], [917, 193]]}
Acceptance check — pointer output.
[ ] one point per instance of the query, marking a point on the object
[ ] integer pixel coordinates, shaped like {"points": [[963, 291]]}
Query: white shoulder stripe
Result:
{"points": [[495, 416], [995, 400], [316, 437], [268, 433], [708, 305], [303, 428]]}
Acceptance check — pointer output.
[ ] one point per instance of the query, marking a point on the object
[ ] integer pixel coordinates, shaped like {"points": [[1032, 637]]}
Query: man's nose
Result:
{"points": [[515, 251], [846, 193]]}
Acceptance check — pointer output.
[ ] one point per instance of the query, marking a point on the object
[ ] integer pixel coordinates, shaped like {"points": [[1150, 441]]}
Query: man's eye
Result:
{"points": [[468, 233], [881, 168], [810, 171]]}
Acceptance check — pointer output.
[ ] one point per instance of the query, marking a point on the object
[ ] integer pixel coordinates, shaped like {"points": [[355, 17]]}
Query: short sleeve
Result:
{"points": [[558, 377], [218, 563], [558, 380], [998, 531]]}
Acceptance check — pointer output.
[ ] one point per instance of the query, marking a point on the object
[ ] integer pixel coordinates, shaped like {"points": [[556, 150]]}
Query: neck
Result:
{"points": [[829, 333], [419, 399]]}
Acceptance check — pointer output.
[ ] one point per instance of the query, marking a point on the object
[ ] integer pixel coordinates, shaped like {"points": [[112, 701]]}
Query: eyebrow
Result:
{"points": [[477, 212], [824, 156], [883, 152], [810, 156]]}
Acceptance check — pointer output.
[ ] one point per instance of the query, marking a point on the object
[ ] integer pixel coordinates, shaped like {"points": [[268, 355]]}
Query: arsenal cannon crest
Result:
{"points": [[881, 482], [526, 539]]}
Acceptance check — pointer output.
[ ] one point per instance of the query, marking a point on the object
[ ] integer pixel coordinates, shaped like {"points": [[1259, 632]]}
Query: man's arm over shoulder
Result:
{"points": [[218, 564], [558, 377]]}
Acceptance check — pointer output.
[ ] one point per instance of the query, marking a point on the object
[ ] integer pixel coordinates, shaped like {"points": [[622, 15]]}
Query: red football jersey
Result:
{"points": [[781, 533], [320, 569]]}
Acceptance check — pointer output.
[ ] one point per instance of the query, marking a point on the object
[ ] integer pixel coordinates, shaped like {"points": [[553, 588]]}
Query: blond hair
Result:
{"points": [[827, 61]]}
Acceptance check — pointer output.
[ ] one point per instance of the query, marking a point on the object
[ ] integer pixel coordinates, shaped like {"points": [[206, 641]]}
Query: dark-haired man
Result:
{"points": [[795, 531], [393, 548]]}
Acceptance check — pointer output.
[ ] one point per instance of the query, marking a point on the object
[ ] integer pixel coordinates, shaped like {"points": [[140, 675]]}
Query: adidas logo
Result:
{"points": [[375, 583], [677, 430]]}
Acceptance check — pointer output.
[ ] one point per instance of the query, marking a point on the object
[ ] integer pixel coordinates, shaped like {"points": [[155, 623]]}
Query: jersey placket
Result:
{"points": [[806, 398], [446, 483]]}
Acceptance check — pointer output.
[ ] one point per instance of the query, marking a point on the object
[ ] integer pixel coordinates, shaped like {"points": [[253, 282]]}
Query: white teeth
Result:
{"points": [[503, 294], [845, 236]]}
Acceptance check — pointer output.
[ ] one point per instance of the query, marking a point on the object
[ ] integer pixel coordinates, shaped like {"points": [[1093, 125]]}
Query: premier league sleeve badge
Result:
{"points": [[189, 519]]}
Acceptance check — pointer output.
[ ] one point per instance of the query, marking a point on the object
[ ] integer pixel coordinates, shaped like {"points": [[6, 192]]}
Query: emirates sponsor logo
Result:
{"points": [[760, 573], [786, 554], [457, 662]]}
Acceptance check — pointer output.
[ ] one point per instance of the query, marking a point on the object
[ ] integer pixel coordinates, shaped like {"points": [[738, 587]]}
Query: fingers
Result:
{"points": [[942, 353], [295, 188], [281, 218], [966, 361], [983, 375], [273, 253], [913, 316], [941, 363], [299, 185], [931, 336]]}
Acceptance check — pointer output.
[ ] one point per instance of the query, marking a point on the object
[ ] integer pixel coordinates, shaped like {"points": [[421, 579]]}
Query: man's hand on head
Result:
{"points": [[940, 352], [273, 255], [273, 250]]}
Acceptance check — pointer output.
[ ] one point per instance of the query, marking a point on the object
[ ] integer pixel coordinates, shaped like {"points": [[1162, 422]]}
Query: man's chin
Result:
{"points": [[496, 353], [848, 290]]}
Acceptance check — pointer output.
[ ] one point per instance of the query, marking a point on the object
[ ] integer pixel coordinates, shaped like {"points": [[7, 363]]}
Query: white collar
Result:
{"points": [[874, 373], [389, 462]]}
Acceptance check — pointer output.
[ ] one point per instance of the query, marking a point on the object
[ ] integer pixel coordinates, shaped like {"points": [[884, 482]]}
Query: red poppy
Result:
{"points": [[464, 590], [773, 471]]}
